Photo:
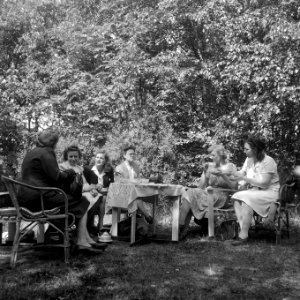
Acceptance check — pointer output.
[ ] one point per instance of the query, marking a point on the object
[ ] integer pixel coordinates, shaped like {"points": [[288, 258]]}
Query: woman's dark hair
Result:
{"points": [[71, 149], [128, 147], [258, 145], [107, 163]]}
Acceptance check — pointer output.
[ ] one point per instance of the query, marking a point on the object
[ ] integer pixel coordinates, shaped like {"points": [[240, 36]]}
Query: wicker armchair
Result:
{"points": [[36, 218]]}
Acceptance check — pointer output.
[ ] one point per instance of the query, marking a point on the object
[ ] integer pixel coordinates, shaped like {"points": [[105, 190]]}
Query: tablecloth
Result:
{"points": [[123, 195]]}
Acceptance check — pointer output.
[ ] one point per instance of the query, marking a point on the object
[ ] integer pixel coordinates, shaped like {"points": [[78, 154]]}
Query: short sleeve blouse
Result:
{"points": [[266, 166]]}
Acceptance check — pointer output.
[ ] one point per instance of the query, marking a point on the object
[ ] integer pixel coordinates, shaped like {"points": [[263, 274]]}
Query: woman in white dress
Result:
{"points": [[260, 177], [105, 173]]}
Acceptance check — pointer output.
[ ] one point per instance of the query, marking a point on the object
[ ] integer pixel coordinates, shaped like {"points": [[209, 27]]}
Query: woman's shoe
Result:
{"points": [[239, 242], [100, 246]]}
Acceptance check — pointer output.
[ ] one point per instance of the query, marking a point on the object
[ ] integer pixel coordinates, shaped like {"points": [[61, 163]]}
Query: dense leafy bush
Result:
{"points": [[171, 77]]}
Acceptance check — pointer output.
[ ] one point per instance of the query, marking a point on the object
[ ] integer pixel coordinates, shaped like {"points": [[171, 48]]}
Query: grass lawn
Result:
{"points": [[193, 269]]}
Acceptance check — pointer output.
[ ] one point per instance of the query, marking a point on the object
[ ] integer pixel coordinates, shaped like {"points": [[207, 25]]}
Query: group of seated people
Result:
{"points": [[259, 192], [40, 168], [257, 181]]}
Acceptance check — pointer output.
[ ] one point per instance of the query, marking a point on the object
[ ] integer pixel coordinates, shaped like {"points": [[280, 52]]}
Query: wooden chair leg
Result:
{"points": [[16, 243]]}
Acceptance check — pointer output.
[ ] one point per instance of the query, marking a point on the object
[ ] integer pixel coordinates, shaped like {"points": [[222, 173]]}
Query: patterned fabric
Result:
{"points": [[123, 195], [198, 199]]}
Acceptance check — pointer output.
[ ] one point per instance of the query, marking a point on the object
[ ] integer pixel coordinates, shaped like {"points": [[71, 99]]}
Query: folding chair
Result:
{"points": [[286, 203]]}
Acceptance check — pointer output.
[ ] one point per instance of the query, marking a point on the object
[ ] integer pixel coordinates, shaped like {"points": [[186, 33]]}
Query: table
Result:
{"points": [[123, 195]]}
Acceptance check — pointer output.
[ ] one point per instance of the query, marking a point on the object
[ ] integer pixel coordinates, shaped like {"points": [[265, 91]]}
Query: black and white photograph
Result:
{"points": [[149, 149]]}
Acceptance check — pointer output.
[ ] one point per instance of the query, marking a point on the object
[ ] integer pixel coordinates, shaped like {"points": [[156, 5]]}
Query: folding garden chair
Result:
{"points": [[286, 203]]}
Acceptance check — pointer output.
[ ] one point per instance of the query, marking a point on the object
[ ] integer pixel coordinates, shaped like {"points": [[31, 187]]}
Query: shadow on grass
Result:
{"points": [[194, 269]]}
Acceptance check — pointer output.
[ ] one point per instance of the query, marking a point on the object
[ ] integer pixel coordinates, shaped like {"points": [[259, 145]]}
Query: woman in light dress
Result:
{"points": [[259, 175]]}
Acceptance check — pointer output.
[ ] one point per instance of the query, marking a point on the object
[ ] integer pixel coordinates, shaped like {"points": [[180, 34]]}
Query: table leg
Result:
{"points": [[211, 225], [175, 219], [133, 227], [114, 222]]}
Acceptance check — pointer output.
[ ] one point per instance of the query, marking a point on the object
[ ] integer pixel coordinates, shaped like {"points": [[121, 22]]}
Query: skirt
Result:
{"points": [[198, 199], [259, 200]]}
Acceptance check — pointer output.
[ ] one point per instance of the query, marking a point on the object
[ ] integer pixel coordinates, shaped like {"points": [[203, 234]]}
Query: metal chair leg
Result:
{"points": [[278, 231], [66, 242], [287, 223]]}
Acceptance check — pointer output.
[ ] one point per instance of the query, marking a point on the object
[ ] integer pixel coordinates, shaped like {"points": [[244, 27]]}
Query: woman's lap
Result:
{"points": [[198, 200], [259, 200]]}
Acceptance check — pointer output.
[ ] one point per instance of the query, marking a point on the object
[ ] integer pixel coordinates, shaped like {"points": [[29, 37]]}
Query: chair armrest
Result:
{"points": [[11, 182], [4, 193]]}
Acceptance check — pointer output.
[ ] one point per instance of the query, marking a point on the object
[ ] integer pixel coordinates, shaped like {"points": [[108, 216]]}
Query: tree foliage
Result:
{"points": [[170, 76]]}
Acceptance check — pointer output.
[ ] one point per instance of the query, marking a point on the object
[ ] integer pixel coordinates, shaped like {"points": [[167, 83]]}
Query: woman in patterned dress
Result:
{"points": [[216, 174]]}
